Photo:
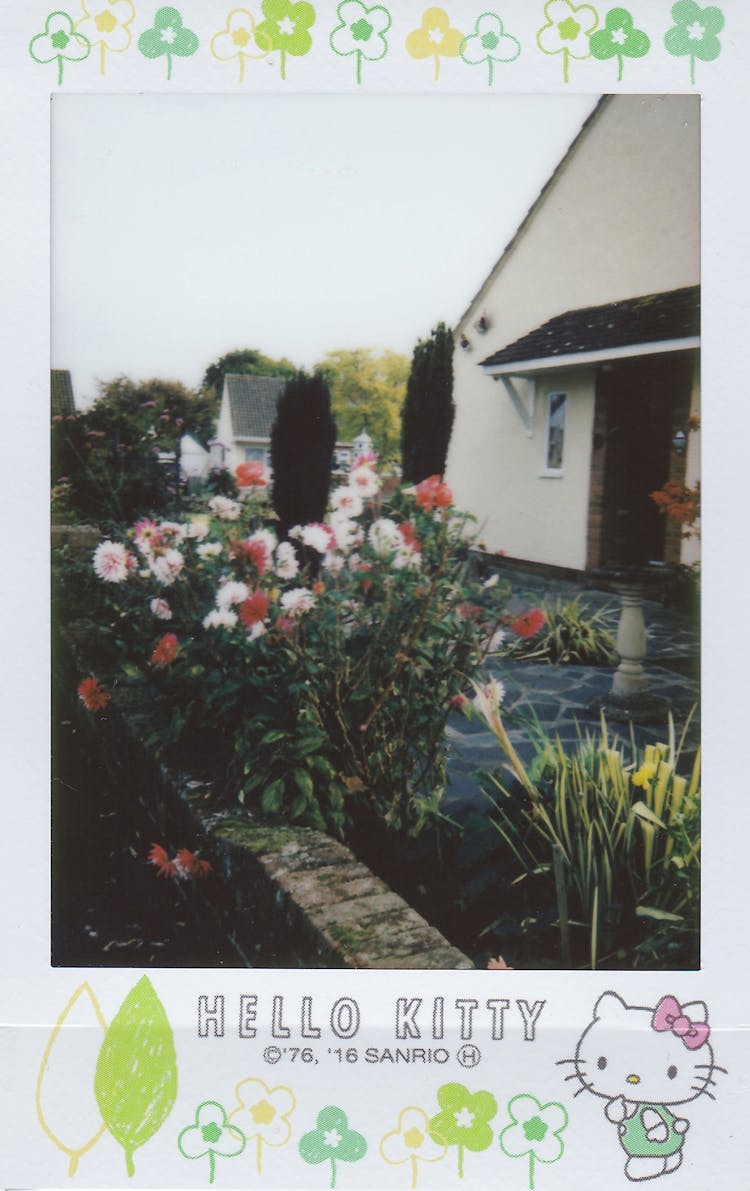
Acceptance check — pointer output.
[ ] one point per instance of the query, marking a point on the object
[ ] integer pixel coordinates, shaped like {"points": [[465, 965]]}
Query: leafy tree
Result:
{"points": [[109, 454], [428, 410], [248, 362], [367, 392], [302, 449]]}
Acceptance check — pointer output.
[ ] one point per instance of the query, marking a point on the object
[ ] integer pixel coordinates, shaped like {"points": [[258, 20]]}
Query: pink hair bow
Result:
{"points": [[668, 1015]]}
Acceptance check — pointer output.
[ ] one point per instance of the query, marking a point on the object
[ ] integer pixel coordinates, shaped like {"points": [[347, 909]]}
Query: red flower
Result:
{"points": [[285, 624], [189, 865], [166, 650], [458, 701], [432, 493], [469, 612], [92, 695], [253, 610], [318, 588], [528, 623], [409, 534], [251, 474], [164, 866]]}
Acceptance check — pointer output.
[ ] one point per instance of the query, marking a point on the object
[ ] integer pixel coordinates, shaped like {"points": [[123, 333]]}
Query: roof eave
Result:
{"points": [[576, 359]]}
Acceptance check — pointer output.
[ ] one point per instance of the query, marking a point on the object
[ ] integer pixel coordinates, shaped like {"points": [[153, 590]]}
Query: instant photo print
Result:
{"points": [[375, 592]]}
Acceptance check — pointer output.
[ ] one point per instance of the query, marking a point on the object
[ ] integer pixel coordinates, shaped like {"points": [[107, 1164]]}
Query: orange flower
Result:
{"points": [[188, 864], [528, 623], [166, 650], [498, 965], [251, 474], [432, 493], [92, 695], [164, 866], [409, 534], [253, 610]]}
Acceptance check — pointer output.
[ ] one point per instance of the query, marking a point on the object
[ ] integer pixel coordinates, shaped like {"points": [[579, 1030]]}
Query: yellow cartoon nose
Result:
{"points": [[634, 1079]]}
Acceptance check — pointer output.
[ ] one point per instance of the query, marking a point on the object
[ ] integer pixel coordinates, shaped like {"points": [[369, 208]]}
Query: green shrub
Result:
{"points": [[625, 838], [310, 693], [572, 633]]}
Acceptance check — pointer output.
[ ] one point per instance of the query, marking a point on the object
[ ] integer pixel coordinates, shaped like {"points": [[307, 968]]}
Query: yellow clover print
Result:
{"points": [[435, 38], [263, 1113], [106, 23], [411, 1142], [567, 31], [237, 38]]}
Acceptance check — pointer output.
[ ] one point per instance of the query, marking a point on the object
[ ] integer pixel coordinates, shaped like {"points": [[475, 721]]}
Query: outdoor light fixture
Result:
{"points": [[482, 324], [679, 442], [465, 343]]}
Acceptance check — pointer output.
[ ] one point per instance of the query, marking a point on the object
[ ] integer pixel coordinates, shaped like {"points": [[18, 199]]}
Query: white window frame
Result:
{"points": [[548, 471]]}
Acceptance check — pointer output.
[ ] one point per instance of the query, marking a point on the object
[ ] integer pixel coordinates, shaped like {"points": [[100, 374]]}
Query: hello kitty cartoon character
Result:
{"points": [[646, 1062]]}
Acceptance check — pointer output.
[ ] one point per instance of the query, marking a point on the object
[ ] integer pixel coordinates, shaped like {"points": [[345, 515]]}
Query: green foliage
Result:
{"points": [[367, 392], [136, 1071], [105, 462], [572, 634], [428, 411], [246, 362], [302, 450], [627, 837]]}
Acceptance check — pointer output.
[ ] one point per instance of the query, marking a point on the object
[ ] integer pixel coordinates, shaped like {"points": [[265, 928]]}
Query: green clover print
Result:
{"points": [[567, 31], [211, 1135], [464, 1120], [287, 27], [619, 39], [59, 42], [489, 43], [332, 1141], [695, 33], [362, 32], [534, 1130], [168, 37]]}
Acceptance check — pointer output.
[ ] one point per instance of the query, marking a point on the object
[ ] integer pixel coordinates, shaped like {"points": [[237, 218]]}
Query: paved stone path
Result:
{"points": [[558, 696]]}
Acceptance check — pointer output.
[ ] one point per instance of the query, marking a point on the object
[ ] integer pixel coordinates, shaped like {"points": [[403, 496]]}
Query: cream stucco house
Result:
{"points": [[576, 363]]}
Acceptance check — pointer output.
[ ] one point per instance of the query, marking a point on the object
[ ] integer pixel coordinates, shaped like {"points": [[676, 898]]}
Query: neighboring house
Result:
{"points": [[62, 402], [576, 364], [246, 418]]}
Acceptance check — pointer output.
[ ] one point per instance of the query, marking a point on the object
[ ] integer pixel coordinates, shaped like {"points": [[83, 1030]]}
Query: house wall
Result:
{"points": [[620, 219]]}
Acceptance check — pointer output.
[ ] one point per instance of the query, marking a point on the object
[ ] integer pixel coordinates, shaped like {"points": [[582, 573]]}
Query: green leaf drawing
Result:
{"points": [[464, 1120], [287, 28], [534, 1131], [168, 37], [136, 1073], [59, 43], [695, 33], [619, 39], [332, 1141]]}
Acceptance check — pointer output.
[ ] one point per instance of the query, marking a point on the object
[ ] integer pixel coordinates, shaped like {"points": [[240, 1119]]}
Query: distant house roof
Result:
{"points": [[61, 393], [633, 326], [253, 401]]}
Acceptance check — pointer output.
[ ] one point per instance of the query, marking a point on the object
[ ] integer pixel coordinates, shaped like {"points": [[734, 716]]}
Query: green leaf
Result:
{"points": [[273, 796], [654, 912], [274, 736], [641, 810], [304, 782], [131, 670], [136, 1072]]}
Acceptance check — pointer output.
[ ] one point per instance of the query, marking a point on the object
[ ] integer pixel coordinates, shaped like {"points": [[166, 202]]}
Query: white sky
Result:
{"points": [[186, 226]]}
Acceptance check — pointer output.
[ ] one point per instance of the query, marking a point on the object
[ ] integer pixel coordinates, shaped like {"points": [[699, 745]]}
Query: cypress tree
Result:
{"points": [[302, 447], [427, 418]]}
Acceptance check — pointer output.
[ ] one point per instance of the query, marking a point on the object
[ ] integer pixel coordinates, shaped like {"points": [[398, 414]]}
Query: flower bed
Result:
{"points": [[313, 673]]}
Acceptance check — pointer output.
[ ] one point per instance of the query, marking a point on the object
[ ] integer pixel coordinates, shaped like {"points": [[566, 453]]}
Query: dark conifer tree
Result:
{"points": [[302, 448], [427, 418]]}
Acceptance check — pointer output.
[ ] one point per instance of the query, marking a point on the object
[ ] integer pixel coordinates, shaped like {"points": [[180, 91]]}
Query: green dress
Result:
{"points": [[633, 1134]]}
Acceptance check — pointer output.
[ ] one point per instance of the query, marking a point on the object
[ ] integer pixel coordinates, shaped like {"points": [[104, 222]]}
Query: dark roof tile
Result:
{"points": [[253, 401], [649, 319], [61, 393]]}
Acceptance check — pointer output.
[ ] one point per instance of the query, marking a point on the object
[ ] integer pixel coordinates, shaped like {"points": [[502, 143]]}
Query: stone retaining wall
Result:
{"points": [[283, 896]]}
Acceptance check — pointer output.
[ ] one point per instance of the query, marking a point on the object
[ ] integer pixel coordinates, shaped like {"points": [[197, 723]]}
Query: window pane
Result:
{"points": [[556, 430], [255, 454]]}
